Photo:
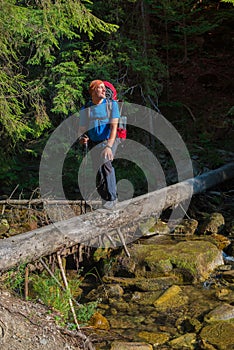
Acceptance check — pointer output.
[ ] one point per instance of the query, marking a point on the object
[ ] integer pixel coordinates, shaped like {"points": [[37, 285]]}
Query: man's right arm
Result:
{"points": [[82, 137]]}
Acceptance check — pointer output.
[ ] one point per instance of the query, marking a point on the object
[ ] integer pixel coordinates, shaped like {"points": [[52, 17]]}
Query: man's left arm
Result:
{"points": [[113, 123], [113, 131]]}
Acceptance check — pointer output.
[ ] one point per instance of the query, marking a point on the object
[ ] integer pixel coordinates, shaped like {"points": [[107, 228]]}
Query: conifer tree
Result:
{"points": [[38, 74]]}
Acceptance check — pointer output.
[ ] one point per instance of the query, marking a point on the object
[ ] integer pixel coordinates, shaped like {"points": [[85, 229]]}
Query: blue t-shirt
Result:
{"points": [[96, 119]]}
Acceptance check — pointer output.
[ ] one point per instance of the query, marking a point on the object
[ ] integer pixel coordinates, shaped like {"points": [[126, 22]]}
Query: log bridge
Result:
{"points": [[101, 227]]}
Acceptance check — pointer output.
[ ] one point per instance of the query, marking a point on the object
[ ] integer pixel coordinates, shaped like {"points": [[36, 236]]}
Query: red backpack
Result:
{"points": [[111, 94]]}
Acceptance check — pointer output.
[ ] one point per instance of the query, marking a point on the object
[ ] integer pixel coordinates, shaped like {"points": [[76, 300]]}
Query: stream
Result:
{"points": [[156, 300], [182, 319]]}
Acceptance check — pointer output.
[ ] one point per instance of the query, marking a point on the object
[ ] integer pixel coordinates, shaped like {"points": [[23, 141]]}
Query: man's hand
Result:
{"points": [[107, 154], [83, 139]]}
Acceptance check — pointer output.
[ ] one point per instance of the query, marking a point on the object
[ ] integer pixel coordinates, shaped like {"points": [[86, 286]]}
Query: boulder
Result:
{"points": [[214, 223], [194, 260], [219, 334]]}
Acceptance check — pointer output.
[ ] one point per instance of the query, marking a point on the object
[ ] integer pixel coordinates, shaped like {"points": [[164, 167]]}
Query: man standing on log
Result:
{"points": [[98, 128]]}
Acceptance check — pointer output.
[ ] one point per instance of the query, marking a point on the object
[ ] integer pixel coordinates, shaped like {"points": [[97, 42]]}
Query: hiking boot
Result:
{"points": [[110, 205]]}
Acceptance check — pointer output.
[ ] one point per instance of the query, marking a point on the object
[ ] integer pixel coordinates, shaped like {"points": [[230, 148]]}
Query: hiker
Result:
{"points": [[98, 128]]}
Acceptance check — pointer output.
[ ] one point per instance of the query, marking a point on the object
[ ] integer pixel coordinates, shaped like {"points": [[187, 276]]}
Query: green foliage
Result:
{"points": [[53, 21], [229, 1], [32, 35], [67, 88], [13, 90], [47, 289], [86, 311], [14, 279], [12, 87]]}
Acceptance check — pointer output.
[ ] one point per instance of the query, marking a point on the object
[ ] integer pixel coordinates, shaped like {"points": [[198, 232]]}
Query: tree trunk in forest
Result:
{"points": [[88, 229]]}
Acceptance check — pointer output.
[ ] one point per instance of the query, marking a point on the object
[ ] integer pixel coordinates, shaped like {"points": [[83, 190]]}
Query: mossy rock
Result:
{"points": [[144, 284], [4, 226], [193, 258], [213, 224], [99, 321], [155, 338], [220, 334], [126, 321], [145, 298], [172, 298], [187, 227], [117, 345], [185, 341]]}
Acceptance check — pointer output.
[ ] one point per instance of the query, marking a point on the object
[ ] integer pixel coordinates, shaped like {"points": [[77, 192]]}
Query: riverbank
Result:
{"points": [[172, 293]]}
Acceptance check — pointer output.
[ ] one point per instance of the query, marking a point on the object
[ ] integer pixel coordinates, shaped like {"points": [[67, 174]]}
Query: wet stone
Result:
{"points": [[225, 294], [228, 276], [213, 224], [120, 305], [223, 312], [113, 311], [219, 334], [187, 227], [106, 292], [157, 284], [99, 321], [220, 241], [4, 226], [154, 338], [160, 228], [188, 325], [123, 267], [144, 284], [186, 341], [114, 291], [125, 322], [145, 298], [170, 299], [130, 346], [201, 301]]}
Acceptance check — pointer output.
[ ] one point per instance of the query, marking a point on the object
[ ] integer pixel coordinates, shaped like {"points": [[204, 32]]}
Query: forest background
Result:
{"points": [[171, 55]]}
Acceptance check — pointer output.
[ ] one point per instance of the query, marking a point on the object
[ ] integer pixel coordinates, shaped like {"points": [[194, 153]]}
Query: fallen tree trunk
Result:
{"points": [[91, 228], [38, 201]]}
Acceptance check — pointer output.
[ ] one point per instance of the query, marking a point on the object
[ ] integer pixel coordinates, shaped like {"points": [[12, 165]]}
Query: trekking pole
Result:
{"points": [[85, 152]]}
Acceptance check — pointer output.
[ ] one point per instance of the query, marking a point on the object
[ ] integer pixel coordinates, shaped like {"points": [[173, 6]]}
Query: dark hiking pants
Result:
{"points": [[105, 173]]}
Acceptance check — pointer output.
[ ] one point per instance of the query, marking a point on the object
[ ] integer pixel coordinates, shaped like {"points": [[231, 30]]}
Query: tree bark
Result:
{"points": [[90, 228], [39, 201]]}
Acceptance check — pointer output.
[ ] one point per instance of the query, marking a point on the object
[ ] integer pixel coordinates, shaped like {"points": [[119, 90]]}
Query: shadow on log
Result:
{"points": [[101, 227]]}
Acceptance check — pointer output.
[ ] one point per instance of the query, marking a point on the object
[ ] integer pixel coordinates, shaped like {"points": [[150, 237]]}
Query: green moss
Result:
{"points": [[194, 259]]}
